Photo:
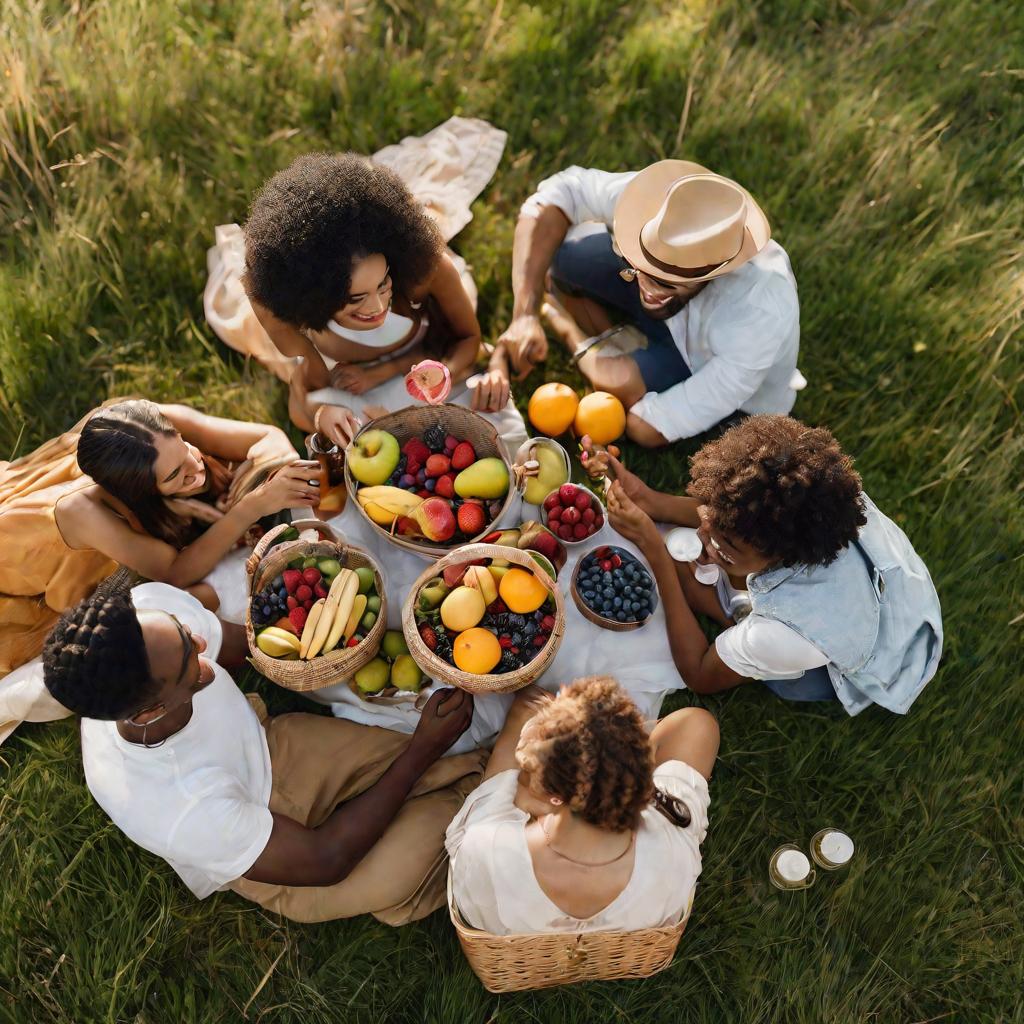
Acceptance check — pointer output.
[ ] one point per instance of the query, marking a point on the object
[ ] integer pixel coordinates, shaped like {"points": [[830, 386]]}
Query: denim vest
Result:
{"points": [[873, 612]]}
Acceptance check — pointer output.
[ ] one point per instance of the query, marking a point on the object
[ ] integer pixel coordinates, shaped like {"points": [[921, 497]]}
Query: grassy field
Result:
{"points": [[883, 139]]}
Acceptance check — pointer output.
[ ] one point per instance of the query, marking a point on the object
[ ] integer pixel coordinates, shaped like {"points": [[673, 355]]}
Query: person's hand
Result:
{"points": [[273, 445], [526, 344], [443, 720], [629, 519], [357, 378], [292, 486], [338, 422], [492, 390], [603, 462]]}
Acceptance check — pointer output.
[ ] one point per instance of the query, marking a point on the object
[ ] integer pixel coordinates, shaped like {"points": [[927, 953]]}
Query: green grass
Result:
{"points": [[883, 139]]}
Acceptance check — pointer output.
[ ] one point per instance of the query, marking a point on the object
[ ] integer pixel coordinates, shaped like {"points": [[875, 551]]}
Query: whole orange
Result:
{"points": [[476, 650], [522, 591], [552, 408], [602, 416]]}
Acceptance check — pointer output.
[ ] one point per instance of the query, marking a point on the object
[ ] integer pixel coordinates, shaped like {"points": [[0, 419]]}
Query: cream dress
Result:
{"points": [[496, 890]]}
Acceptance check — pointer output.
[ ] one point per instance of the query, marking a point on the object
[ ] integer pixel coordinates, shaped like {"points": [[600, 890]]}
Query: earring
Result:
{"points": [[556, 801]]}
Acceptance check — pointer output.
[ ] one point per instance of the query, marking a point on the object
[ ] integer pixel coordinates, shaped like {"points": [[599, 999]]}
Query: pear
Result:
{"points": [[373, 677], [552, 474], [406, 674], [486, 478], [432, 593]]}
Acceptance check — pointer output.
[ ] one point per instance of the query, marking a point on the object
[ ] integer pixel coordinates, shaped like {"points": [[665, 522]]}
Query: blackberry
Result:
{"points": [[516, 621], [433, 438], [518, 640], [444, 645], [509, 662], [500, 623]]}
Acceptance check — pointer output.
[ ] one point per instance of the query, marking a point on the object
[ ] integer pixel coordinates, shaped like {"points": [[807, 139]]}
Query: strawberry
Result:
{"points": [[471, 519], [438, 465], [616, 562], [445, 486], [353, 641], [424, 493], [415, 450], [451, 442], [298, 619], [320, 590], [413, 467], [292, 579], [505, 642], [292, 602], [303, 594], [428, 635], [311, 577], [463, 456]]}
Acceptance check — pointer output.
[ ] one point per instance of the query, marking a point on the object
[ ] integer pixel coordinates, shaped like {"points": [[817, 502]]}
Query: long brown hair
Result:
{"points": [[116, 449]]}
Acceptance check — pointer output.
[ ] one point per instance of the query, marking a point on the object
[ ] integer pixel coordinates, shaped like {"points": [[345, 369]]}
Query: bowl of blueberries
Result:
{"points": [[614, 589]]}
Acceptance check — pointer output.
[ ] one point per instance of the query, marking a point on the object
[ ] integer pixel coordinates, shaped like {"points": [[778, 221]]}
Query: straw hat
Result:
{"points": [[676, 216]]}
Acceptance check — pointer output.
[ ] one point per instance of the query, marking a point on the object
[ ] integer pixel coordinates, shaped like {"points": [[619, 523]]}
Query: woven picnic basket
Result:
{"points": [[600, 620], [462, 423], [267, 561], [491, 682], [517, 963]]}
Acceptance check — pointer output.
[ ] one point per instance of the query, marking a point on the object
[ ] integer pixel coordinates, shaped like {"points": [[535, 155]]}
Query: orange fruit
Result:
{"points": [[602, 416], [522, 591], [552, 408], [476, 650]]}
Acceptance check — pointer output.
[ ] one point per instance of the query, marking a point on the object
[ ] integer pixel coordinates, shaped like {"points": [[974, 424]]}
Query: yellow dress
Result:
{"points": [[40, 576]]}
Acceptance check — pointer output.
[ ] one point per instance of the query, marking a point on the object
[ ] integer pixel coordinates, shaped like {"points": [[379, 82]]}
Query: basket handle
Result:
{"points": [[265, 542]]}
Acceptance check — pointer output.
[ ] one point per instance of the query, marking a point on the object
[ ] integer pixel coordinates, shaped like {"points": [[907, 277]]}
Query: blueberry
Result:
{"points": [[530, 629], [608, 593], [627, 591], [620, 616], [267, 611], [430, 484], [616, 603], [606, 577]]}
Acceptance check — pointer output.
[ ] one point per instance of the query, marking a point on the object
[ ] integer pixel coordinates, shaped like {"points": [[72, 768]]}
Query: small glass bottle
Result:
{"points": [[331, 458]]}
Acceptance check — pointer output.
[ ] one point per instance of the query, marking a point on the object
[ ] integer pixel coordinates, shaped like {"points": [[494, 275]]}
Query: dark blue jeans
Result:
{"points": [[586, 265], [814, 684]]}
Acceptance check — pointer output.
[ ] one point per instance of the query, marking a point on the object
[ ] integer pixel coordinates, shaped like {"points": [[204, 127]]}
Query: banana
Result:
{"points": [[276, 647], [344, 602], [329, 623], [282, 634], [384, 504], [310, 628], [353, 620]]}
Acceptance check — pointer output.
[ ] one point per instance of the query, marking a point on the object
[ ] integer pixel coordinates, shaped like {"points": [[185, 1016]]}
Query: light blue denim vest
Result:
{"points": [[873, 612]]}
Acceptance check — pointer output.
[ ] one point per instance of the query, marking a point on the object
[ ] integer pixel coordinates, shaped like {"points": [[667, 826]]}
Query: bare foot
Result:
{"points": [[561, 323]]}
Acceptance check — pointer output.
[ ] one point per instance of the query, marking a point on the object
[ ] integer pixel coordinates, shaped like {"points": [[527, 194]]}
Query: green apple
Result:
{"points": [[393, 644], [373, 456], [365, 574]]}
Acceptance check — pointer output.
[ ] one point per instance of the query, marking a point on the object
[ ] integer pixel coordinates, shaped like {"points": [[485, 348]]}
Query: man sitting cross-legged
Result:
{"points": [[312, 817]]}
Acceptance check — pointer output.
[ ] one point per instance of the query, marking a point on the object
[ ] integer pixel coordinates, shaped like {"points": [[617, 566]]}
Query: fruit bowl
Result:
{"points": [[629, 581], [554, 467], [346, 601], [578, 502], [390, 504], [455, 604]]}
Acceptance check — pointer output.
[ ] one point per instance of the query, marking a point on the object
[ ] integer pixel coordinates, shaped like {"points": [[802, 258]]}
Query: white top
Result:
{"points": [[758, 647], [394, 328], [495, 887], [740, 335], [202, 799]]}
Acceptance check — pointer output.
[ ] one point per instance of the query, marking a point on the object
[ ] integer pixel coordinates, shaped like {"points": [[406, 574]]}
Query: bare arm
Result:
{"points": [[661, 507], [233, 440], [296, 855], [535, 243]]}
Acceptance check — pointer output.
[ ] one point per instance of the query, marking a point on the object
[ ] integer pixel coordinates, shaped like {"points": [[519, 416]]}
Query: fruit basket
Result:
{"points": [[463, 481], [573, 513], [609, 574], [307, 597], [503, 627]]}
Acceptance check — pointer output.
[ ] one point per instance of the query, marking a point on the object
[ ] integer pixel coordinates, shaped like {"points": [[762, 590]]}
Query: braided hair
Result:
{"points": [[95, 660], [589, 747]]}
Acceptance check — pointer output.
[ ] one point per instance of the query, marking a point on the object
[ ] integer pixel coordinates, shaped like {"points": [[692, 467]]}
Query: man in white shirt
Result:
{"points": [[313, 817], [683, 255]]}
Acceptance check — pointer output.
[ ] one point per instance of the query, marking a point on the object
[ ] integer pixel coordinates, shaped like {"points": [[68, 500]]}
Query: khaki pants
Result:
{"points": [[318, 763]]}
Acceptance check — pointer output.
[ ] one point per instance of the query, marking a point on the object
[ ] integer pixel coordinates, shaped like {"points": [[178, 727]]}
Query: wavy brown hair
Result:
{"points": [[588, 746], [786, 489]]}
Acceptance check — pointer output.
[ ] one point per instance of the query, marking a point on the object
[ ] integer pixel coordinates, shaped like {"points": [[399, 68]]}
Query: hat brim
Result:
{"points": [[642, 198]]}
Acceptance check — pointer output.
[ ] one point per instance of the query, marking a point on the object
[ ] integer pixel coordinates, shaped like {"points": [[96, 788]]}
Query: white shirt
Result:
{"points": [[758, 647], [202, 799], [494, 884], [740, 335]]}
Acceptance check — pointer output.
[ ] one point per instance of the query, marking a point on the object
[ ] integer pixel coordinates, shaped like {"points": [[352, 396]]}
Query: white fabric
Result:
{"points": [[496, 889], [394, 328], [759, 647], [202, 799], [740, 335]]}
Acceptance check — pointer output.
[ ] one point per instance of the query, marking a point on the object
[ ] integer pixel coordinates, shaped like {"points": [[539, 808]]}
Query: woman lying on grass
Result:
{"points": [[145, 486], [839, 604], [582, 819], [347, 271]]}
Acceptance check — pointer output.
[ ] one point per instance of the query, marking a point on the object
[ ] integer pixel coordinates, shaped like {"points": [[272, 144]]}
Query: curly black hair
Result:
{"points": [[309, 222], [786, 489], [95, 660]]}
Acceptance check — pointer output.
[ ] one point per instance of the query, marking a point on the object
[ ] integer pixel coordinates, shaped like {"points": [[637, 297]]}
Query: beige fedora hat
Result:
{"points": [[676, 218]]}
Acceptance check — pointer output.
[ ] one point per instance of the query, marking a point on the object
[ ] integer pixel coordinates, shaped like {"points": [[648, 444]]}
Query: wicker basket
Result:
{"points": [[339, 664], [517, 963], [600, 620], [463, 423], [491, 682]]}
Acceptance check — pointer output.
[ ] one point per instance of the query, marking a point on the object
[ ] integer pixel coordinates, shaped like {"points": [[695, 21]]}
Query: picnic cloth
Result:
{"points": [[446, 169]]}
